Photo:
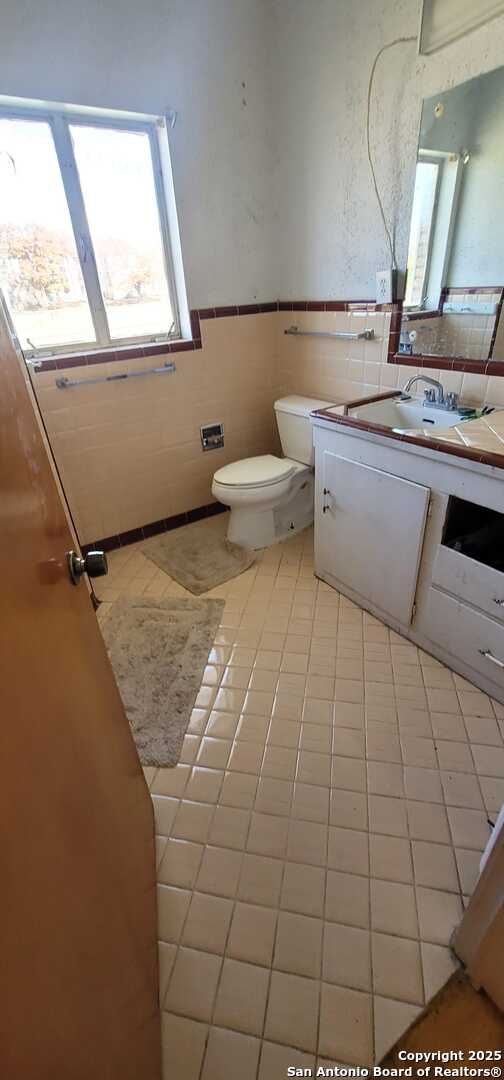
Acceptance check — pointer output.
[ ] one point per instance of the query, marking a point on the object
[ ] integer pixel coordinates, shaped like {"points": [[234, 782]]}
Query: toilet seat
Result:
{"points": [[256, 472]]}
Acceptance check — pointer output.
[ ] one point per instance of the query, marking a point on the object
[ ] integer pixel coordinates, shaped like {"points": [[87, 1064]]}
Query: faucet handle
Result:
{"points": [[429, 394], [451, 400]]}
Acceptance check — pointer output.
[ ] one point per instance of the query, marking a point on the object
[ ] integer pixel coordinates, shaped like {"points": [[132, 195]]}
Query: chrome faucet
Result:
{"points": [[435, 397]]}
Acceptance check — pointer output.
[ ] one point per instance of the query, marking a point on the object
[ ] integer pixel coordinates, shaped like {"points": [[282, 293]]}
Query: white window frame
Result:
{"points": [[443, 159], [59, 121], [429, 160]]}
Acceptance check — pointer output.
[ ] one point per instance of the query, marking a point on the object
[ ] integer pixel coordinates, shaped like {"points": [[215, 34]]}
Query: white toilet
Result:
{"points": [[270, 497]]}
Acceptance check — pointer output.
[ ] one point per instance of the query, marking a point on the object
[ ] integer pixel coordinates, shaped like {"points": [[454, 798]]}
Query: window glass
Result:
{"points": [[117, 181], [40, 273]]}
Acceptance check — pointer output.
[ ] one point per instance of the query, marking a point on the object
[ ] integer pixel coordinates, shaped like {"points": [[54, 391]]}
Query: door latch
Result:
{"points": [[94, 564]]}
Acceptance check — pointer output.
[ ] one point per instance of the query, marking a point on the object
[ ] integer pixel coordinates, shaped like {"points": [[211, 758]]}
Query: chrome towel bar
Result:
{"points": [[66, 384], [340, 335]]}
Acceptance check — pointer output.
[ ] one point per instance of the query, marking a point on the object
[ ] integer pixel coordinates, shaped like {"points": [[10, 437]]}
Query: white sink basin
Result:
{"points": [[408, 415]]}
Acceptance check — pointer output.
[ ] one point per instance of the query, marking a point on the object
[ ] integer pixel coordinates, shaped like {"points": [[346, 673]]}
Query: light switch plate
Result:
{"points": [[384, 286]]}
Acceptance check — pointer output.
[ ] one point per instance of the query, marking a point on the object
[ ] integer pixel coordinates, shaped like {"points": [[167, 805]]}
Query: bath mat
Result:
{"points": [[158, 650], [199, 559]]}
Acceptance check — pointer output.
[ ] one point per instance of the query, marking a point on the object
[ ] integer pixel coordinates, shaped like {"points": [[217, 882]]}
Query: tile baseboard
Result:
{"points": [[154, 528]]}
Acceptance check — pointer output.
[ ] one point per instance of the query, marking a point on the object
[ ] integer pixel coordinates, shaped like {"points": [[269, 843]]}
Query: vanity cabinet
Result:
{"points": [[370, 530], [416, 538]]}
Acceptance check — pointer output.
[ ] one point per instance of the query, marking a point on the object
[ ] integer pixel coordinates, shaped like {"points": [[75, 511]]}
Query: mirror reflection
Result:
{"points": [[455, 268]]}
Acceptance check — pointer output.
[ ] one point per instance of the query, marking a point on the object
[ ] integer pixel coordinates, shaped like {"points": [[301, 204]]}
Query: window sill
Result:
{"points": [[109, 356]]}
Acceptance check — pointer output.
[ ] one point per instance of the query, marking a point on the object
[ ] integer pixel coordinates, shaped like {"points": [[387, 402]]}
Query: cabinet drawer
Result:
{"points": [[466, 634], [471, 580]]}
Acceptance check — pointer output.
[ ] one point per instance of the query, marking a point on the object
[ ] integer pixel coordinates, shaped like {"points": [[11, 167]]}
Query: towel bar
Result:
{"points": [[65, 384]]}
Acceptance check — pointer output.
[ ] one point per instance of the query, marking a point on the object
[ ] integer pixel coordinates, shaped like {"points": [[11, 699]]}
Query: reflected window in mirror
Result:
{"points": [[421, 232]]}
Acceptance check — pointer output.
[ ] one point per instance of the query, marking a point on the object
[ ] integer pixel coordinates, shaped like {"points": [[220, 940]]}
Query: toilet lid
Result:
{"points": [[255, 471]]}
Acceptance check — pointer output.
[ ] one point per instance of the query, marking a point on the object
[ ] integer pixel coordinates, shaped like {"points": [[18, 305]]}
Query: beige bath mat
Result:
{"points": [[158, 650], [199, 559]]}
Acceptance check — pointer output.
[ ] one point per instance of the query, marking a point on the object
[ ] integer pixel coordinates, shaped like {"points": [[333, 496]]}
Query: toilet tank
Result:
{"points": [[294, 427]]}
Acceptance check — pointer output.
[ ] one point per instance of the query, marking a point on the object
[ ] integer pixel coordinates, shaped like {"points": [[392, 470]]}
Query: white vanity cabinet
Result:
{"points": [[398, 530], [387, 513]]}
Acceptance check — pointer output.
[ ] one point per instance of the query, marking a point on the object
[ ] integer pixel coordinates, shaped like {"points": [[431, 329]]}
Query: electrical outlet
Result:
{"points": [[384, 286]]}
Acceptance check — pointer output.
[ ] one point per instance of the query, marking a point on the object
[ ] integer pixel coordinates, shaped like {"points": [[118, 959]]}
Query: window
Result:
{"points": [[85, 259], [421, 232]]}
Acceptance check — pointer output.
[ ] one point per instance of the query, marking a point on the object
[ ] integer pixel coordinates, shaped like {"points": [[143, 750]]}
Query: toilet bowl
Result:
{"points": [[270, 497]]}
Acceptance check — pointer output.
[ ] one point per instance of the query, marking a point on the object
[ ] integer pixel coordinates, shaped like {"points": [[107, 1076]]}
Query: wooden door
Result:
{"points": [[370, 535], [78, 971]]}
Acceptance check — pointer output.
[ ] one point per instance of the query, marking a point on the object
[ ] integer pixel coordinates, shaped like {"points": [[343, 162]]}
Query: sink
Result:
{"points": [[409, 415]]}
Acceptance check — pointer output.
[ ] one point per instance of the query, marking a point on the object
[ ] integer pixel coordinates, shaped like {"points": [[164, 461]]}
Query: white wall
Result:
{"points": [[271, 178], [331, 236], [208, 60]]}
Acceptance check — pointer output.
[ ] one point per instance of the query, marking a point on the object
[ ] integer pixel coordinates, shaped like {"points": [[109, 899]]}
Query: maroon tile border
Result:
{"points": [[134, 352], [197, 315], [110, 356], [482, 456], [498, 316], [418, 316], [471, 289], [349, 306], [153, 528], [335, 305], [395, 330], [449, 363], [369, 400], [236, 309], [445, 292]]}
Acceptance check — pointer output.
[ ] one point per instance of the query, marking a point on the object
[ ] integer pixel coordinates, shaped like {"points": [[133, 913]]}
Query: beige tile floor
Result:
{"points": [[322, 831]]}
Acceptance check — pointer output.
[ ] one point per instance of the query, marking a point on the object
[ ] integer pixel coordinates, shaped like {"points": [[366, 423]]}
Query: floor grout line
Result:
{"points": [[391, 690]]}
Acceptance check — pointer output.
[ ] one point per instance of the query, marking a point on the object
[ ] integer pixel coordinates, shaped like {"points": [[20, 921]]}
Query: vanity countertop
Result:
{"points": [[481, 439]]}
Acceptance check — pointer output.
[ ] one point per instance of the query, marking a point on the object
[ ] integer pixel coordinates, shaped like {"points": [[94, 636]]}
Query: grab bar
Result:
{"points": [[341, 335], [65, 384]]}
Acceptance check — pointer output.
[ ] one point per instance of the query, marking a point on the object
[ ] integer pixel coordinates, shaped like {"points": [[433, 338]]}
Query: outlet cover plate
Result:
{"points": [[384, 286]]}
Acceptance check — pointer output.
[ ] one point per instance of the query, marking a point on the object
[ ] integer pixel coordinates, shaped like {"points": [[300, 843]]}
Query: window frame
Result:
{"points": [[59, 122]]}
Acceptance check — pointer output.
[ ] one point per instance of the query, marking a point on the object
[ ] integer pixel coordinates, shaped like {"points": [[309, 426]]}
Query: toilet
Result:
{"points": [[270, 497]]}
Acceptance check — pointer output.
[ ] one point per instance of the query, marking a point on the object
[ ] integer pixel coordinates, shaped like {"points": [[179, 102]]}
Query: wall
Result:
{"points": [[331, 237], [452, 334], [350, 370], [274, 199], [271, 177], [210, 62], [129, 453], [331, 369]]}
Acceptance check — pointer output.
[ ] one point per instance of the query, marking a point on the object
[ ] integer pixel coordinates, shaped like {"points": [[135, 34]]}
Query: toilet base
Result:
{"points": [[261, 528]]}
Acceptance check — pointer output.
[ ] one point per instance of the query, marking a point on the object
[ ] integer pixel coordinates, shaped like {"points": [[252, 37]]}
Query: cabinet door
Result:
{"points": [[370, 536]]}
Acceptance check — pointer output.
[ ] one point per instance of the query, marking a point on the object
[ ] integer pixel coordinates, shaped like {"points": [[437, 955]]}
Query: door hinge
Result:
{"points": [[413, 610], [429, 508]]}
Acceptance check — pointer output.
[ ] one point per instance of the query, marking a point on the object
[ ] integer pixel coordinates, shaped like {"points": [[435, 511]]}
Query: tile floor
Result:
{"points": [[322, 831]]}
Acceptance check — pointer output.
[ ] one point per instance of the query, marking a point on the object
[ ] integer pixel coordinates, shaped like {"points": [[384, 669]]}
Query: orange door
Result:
{"points": [[78, 971]]}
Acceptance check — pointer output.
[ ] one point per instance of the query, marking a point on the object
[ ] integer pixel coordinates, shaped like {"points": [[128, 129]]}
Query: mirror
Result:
{"points": [[455, 269]]}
